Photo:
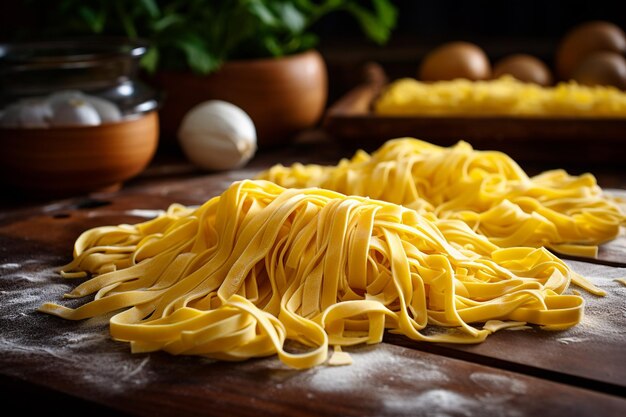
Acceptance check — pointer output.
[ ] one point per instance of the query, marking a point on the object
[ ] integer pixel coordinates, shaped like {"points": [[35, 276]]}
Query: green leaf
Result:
{"points": [[263, 13], [273, 46], [386, 12], [307, 41], [93, 19], [299, 43], [167, 21], [369, 23], [150, 61], [125, 18], [201, 34], [199, 58], [152, 8], [292, 18]]}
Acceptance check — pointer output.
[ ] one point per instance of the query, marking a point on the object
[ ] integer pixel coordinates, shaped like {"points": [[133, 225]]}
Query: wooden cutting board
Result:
{"points": [[74, 365]]}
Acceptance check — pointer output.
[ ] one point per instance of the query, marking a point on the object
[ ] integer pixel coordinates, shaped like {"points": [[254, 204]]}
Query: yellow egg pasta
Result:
{"points": [[504, 96], [261, 265], [485, 189]]}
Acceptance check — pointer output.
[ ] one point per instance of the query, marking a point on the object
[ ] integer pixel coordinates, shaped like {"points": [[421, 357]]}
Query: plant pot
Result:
{"points": [[281, 95]]}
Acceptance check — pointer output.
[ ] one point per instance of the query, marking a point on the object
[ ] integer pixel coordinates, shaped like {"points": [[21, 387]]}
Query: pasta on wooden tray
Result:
{"points": [[504, 96], [485, 189], [259, 265]]}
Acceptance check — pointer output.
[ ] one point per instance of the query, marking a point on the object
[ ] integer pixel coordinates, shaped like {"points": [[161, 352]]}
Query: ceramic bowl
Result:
{"points": [[53, 157], [73, 160], [281, 95]]}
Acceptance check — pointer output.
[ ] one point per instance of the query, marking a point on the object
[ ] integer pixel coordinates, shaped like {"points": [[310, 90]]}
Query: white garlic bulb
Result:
{"points": [[11, 117], [74, 112], [217, 135], [35, 113], [108, 111], [65, 108], [64, 95], [29, 113]]}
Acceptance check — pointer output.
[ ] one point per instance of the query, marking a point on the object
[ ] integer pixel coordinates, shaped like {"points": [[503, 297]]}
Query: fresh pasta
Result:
{"points": [[504, 96], [263, 270], [485, 189]]}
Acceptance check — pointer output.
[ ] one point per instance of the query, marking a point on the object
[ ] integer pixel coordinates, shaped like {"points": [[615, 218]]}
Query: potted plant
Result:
{"points": [[257, 54]]}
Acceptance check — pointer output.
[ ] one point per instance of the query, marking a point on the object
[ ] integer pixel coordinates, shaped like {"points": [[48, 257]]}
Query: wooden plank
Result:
{"points": [[601, 336], [78, 359], [589, 354]]}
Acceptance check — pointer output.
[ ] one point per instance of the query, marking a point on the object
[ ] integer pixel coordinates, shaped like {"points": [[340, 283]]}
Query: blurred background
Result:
{"points": [[289, 65], [500, 28]]}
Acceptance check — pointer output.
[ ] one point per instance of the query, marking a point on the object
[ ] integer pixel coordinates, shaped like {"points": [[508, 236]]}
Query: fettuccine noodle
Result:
{"points": [[486, 189], [503, 96], [260, 265]]}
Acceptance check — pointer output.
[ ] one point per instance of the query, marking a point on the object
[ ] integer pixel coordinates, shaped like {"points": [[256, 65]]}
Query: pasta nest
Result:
{"points": [[263, 270], [485, 189]]}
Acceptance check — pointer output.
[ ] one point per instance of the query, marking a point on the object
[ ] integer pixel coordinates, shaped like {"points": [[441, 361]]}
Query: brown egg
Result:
{"points": [[525, 68], [585, 39], [602, 68], [455, 60]]}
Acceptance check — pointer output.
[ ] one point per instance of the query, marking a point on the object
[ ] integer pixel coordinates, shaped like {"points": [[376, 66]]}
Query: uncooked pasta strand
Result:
{"points": [[485, 189], [261, 267], [503, 96]]}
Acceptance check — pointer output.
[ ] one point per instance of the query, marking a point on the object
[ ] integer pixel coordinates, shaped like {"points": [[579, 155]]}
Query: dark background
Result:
{"points": [[434, 20], [499, 27]]}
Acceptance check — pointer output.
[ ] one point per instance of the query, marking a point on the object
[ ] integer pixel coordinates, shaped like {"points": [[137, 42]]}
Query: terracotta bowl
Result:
{"points": [[281, 95], [74, 160]]}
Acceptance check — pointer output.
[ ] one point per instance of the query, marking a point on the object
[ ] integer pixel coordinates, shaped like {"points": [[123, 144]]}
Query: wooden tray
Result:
{"points": [[578, 140]]}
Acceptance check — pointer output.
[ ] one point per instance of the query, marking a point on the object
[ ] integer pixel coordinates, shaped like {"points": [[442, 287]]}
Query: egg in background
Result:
{"points": [[585, 39], [455, 60], [524, 67], [602, 68]]}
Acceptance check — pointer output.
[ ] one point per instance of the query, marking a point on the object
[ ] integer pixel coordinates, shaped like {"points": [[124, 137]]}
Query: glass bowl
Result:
{"points": [[103, 67], [57, 160]]}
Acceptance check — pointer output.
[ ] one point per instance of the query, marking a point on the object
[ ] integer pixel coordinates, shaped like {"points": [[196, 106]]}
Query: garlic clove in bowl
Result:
{"points": [[11, 117], [67, 108], [74, 112], [35, 113], [108, 112], [217, 135]]}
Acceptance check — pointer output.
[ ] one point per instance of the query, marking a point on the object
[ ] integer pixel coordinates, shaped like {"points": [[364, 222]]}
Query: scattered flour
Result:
{"points": [[447, 403], [376, 367], [399, 382], [84, 349], [498, 383], [568, 340], [148, 214], [435, 402], [604, 316]]}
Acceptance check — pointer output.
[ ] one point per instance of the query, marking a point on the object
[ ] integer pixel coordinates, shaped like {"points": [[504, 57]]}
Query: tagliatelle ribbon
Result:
{"points": [[485, 189], [261, 265]]}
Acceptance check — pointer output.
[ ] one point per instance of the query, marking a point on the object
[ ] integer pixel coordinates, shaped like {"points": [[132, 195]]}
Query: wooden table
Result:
{"points": [[74, 368]]}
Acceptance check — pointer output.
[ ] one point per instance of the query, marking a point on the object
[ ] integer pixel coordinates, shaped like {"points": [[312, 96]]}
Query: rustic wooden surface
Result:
{"points": [[75, 367]]}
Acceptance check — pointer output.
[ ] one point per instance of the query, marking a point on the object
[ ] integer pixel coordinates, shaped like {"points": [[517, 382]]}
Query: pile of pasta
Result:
{"points": [[261, 265], [503, 96], [487, 190]]}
